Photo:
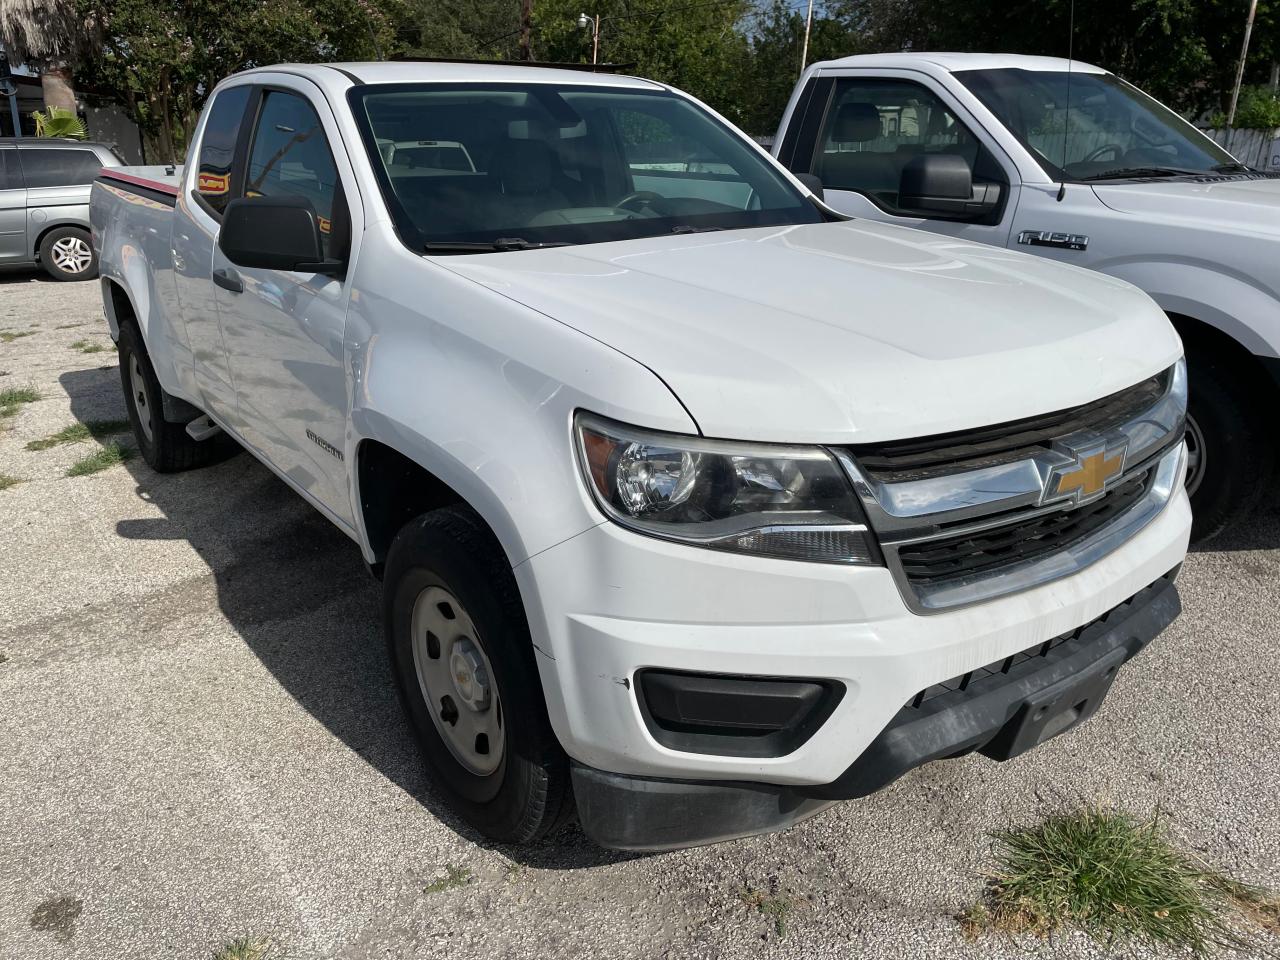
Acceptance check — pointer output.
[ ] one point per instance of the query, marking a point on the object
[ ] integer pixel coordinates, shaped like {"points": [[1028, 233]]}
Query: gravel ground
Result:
{"points": [[200, 741]]}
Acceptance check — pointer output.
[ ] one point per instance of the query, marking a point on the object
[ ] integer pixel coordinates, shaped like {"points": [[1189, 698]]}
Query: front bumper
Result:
{"points": [[1001, 710]]}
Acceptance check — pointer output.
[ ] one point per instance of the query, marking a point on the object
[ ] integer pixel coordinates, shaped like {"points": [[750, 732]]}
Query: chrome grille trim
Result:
{"points": [[1008, 494]]}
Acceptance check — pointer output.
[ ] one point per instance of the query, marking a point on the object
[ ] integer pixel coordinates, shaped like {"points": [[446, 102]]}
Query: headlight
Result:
{"points": [[774, 501]]}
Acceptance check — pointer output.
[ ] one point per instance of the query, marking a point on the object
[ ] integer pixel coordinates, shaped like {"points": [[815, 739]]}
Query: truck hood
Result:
{"points": [[844, 332], [1248, 206]]}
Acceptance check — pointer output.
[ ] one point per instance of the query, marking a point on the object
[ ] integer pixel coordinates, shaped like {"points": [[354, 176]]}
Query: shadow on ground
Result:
{"points": [[296, 591]]}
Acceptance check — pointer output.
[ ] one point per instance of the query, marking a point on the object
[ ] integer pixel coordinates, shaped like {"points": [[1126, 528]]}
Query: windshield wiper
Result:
{"points": [[1232, 168], [687, 228], [500, 245], [1125, 173]]}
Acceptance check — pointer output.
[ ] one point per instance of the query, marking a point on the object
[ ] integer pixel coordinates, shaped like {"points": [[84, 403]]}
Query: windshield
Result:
{"points": [[516, 165], [1111, 127]]}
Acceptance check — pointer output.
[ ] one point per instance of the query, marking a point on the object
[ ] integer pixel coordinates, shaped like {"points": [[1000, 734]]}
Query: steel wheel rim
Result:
{"points": [[138, 386], [457, 682], [72, 254], [1196, 456]]}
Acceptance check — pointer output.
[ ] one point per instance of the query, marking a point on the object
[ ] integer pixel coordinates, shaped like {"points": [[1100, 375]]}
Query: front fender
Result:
{"points": [[1231, 302], [481, 391]]}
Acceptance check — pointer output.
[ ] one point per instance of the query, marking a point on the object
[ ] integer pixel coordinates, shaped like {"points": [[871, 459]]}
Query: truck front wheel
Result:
{"points": [[1229, 453], [465, 670]]}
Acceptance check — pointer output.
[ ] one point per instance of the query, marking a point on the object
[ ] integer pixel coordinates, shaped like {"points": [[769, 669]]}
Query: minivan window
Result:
{"points": [[59, 167], [549, 163], [218, 147], [10, 174]]}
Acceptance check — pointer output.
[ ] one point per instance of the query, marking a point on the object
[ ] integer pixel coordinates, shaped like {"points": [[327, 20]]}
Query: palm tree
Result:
{"points": [[46, 35]]}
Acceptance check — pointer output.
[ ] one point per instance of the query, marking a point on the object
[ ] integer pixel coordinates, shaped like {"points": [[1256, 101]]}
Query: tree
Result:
{"points": [[1183, 52], [691, 44], [49, 36], [161, 61]]}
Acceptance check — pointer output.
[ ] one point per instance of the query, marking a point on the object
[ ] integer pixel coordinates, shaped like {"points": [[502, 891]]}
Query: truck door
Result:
{"points": [[196, 218], [13, 209], [860, 135], [284, 330]]}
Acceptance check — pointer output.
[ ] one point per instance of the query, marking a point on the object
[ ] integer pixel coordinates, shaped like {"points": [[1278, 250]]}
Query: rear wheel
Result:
{"points": [[167, 447], [464, 664], [1229, 454], [66, 253]]}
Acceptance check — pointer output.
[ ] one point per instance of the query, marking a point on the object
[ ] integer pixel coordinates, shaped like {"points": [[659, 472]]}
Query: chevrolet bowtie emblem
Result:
{"points": [[1094, 468]]}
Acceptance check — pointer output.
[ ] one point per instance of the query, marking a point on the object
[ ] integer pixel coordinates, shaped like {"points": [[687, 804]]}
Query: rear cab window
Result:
{"points": [[218, 148]]}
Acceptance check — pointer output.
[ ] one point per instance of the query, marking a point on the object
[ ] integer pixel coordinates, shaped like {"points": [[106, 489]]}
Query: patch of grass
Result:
{"points": [[454, 877], [88, 346], [8, 336], [246, 948], [110, 455], [1119, 879], [13, 398], [775, 907], [79, 432], [68, 326], [7, 481]]}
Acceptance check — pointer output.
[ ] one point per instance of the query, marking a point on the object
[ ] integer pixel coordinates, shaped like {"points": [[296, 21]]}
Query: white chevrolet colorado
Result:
{"points": [[697, 506], [1077, 166]]}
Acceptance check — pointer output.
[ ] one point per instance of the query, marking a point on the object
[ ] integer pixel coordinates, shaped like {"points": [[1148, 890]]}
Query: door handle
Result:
{"points": [[228, 279]]}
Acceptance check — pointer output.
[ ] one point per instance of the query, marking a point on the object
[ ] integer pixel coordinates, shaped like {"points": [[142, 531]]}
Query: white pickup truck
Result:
{"points": [[697, 506], [1080, 167]]}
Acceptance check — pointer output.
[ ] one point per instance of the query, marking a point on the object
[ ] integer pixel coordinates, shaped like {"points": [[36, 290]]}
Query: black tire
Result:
{"points": [[1234, 450], [528, 795], [53, 259], [167, 447]]}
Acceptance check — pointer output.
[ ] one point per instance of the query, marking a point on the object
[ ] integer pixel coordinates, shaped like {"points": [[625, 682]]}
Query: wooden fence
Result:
{"points": [[1257, 148]]}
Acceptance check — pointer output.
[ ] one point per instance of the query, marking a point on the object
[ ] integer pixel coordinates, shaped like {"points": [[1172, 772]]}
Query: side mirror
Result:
{"points": [[941, 184], [813, 183], [275, 233]]}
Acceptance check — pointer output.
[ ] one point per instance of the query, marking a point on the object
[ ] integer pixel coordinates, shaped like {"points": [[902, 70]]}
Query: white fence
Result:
{"points": [[1256, 148]]}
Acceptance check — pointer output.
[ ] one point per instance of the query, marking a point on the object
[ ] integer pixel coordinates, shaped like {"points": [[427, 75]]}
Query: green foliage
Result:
{"points": [[1258, 109], [1183, 52], [58, 122], [79, 432], [1117, 878], [163, 59], [454, 877], [108, 456]]}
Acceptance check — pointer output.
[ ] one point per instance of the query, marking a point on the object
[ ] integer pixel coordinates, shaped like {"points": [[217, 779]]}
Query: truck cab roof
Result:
{"points": [[409, 71], [955, 62]]}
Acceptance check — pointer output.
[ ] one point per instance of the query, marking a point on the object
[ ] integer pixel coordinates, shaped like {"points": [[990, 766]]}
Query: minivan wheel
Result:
{"points": [[466, 675], [167, 447], [1229, 455], [66, 253]]}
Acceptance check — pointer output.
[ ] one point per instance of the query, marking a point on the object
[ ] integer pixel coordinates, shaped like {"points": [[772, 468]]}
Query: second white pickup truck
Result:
{"points": [[696, 507], [1079, 167]]}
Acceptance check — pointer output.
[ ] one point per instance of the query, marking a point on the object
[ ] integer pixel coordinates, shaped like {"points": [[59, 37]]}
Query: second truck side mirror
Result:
{"points": [[941, 185], [275, 233]]}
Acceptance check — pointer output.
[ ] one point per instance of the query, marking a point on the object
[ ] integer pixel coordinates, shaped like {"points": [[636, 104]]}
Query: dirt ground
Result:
{"points": [[200, 741]]}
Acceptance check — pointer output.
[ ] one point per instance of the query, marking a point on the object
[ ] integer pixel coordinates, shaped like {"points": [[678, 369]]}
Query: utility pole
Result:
{"points": [[526, 27], [808, 25], [1244, 52]]}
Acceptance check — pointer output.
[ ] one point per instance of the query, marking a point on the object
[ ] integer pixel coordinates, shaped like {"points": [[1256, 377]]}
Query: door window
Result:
{"points": [[290, 157], [10, 175], [874, 127], [55, 167], [218, 147]]}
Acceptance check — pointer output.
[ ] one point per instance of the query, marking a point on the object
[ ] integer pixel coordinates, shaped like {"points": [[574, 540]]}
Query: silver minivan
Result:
{"points": [[44, 203]]}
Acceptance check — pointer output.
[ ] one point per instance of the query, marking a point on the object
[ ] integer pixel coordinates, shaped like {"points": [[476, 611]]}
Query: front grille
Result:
{"points": [[989, 550], [949, 453]]}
